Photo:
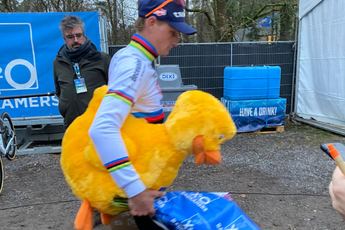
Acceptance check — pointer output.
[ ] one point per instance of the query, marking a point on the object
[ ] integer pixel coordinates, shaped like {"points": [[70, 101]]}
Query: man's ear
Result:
{"points": [[151, 22]]}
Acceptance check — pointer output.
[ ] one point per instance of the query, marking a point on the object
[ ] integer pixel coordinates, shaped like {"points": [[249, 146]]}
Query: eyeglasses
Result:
{"points": [[180, 2], [72, 36]]}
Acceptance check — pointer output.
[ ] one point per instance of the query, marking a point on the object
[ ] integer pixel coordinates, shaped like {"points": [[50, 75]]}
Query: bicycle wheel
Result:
{"points": [[1, 175], [7, 132]]}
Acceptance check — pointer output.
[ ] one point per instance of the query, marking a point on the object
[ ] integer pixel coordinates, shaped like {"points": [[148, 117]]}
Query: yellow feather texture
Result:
{"points": [[155, 150]]}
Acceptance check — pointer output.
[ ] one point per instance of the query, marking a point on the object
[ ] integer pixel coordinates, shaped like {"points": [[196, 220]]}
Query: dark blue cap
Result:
{"points": [[172, 13]]}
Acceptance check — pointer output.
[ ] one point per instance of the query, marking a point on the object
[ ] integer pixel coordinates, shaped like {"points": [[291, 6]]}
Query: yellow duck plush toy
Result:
{"points": [[198, 124]]}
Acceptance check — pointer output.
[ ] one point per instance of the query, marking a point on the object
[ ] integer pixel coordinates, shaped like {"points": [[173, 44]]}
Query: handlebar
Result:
{"points": [[31, 95]]}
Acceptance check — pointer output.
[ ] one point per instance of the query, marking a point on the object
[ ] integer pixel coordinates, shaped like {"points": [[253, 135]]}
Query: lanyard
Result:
{"points": [[76, 69]]}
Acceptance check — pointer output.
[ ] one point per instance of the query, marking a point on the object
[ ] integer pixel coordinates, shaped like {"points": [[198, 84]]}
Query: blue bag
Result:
{"points": [[184, 210]]}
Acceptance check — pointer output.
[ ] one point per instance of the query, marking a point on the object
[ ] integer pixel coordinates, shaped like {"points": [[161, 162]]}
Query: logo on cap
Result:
{"points": [[160, 12], [179, 14]]}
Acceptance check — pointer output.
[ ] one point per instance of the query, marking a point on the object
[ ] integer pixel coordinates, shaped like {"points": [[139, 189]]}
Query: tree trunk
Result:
{"points": [[69, 5], [221, 19], [115, 23], [212, 18], [111, 13], [5, 5], [185, 37], [287, 20]]}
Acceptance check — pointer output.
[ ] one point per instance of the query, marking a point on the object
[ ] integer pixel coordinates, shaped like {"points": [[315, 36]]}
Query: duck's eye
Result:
{"points": [[221, 136]]}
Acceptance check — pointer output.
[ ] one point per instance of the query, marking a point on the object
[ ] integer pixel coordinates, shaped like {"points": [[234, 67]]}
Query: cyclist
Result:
{"points": [[133, 88]]}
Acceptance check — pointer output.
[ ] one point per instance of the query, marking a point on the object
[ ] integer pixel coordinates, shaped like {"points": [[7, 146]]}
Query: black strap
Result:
{"points": [[158, 122], [146, 223]]}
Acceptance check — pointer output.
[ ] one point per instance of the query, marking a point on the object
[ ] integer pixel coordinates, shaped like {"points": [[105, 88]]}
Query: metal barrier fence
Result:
{"points": [[202, 64]]}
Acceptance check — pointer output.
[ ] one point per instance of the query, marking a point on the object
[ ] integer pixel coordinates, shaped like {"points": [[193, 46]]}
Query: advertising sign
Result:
{"points": [[253, 115], [29, 42]]}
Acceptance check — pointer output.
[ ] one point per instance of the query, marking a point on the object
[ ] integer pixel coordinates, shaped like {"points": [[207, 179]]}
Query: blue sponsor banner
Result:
{"points": [[29, 43], [253, 115]]}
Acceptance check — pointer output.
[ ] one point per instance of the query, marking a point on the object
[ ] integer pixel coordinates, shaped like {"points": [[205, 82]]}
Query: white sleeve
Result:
{"points": [[126, 83]]}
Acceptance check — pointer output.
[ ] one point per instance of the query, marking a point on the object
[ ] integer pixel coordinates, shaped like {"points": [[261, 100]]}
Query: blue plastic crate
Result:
{"points": [[254, 82]]}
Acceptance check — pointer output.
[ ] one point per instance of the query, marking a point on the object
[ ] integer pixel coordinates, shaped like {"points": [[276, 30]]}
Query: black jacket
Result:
{"points": [[93, 68]]}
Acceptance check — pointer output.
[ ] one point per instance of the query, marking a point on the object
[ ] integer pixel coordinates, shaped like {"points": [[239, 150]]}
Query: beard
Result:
{"points": [[73, 48]]}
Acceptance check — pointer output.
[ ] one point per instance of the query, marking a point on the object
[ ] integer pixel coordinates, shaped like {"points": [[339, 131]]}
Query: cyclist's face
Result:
{"points": [[166, 38], [74, 37]]}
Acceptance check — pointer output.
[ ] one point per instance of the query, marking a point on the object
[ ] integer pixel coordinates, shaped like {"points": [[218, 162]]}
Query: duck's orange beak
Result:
{"points": [[202, 156]]}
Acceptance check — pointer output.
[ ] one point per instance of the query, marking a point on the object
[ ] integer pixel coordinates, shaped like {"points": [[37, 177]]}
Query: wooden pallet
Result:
{"points": [[273, 129]]}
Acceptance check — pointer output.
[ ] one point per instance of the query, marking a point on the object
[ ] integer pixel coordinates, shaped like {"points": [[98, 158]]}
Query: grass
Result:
{"points": [[313, 135], [306, 129]]}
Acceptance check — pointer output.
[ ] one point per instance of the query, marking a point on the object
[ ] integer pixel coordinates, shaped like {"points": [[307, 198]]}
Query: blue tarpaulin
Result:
{"points": [[266, 21], [29, 43]]}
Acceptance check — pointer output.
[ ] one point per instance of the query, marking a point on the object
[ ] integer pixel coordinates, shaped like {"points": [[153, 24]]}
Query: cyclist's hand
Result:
{"points": [[142, 204]]}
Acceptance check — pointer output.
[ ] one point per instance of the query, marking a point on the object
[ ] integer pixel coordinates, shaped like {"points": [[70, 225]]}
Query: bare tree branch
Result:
{"points": [[209, 18], [258, 15]]}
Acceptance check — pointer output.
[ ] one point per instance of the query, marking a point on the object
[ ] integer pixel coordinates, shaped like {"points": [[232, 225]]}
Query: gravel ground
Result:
{"points": [[279, 180]]}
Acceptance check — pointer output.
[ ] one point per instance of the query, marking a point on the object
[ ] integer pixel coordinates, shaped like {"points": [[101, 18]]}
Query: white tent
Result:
{"points": [[320, 82]]}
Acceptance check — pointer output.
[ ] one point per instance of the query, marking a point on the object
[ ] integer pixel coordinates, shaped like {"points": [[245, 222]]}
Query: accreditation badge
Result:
{"points": [[80, 85]]}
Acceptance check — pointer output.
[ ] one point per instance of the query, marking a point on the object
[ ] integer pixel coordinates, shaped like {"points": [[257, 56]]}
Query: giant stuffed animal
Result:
{"points": [[197, 125]]}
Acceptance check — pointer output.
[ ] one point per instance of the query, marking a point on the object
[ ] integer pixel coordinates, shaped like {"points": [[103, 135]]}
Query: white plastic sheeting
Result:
{"points": [[320, 85], [306, 6]]}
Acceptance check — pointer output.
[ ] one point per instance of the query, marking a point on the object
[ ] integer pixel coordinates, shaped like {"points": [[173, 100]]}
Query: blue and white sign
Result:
{"points": [[253, 115], [29, 44], [168, 76]]}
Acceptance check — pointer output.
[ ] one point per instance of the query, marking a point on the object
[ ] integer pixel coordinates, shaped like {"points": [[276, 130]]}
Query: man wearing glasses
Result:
{"points": [[79, 68], [133, 88]]}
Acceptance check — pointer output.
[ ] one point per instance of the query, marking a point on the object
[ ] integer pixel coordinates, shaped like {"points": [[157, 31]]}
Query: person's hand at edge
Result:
{"points": [[142, 204], [337, 191]]}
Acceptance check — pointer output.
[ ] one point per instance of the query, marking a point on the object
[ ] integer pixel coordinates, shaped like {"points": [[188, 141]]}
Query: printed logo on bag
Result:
{"points": [[161, 202], [185, 225], [188, 225], [198, 199], [160, 12], [168, 76], [179, 14], [188, 215]]}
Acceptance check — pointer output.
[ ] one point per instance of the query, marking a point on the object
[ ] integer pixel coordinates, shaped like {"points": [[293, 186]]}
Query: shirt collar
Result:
{"points": [[143, 46]]}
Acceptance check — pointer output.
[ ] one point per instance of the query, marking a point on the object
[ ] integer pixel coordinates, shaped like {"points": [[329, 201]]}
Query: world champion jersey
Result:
{"points": [[133, 88]]}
